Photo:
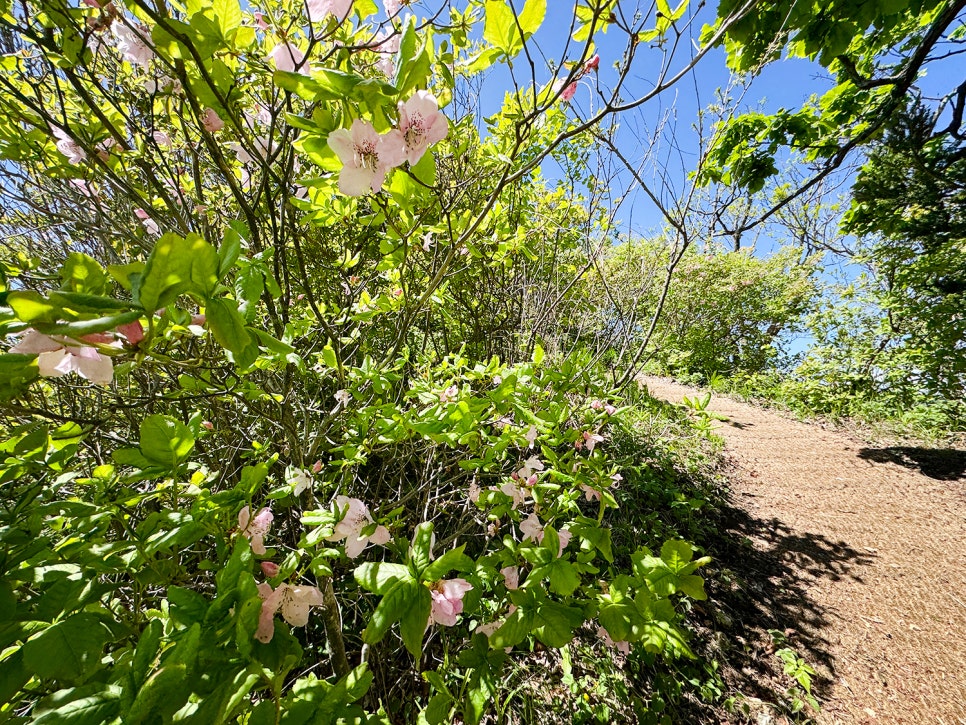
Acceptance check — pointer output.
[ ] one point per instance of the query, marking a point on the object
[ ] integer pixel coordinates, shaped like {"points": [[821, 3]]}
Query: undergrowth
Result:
{"points": [[675, 489]]}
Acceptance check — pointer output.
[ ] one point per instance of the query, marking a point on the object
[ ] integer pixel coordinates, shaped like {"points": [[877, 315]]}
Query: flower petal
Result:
{"points": [[97, 368], [34, 343], [356, 181]]}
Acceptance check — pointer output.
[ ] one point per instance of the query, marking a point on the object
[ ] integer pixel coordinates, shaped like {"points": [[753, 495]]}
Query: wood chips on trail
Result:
{"points": [[875, 538]]}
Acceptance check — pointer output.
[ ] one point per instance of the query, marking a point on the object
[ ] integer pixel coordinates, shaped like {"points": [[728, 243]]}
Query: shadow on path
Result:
{"points": [[944, 464], [772, 570]]}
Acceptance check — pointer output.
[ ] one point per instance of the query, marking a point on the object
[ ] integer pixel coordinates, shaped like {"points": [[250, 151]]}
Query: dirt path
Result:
{"points": [[875, 541]]}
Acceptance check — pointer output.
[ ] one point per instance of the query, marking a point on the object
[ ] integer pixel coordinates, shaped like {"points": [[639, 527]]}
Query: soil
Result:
{"points": [[853, 553]]}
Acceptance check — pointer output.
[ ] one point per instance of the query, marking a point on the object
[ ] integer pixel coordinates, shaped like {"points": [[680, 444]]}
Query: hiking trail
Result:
{"points": [[872, 549]]}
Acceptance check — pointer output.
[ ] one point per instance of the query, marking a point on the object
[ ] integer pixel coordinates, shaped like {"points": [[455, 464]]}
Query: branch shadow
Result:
{"points": [[943, 464], [761, 601]]}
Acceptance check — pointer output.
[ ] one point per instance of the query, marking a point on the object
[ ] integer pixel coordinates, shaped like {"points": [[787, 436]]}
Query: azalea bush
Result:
{"points": [[283, 444]]}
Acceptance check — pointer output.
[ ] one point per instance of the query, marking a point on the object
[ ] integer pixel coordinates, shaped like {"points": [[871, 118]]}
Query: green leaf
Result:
{"points": [[414, 73], [13, 676], [82, 302], [147, 650], [514, 629], [227, 325], [126, 274], [94, 704], [177, 265], [68, 651], [420, 554], [425, 169], [693, 586], [618, 618], [82, 273], [228, 252], [333, 85], [564, 579], [534, 11], [412, 626], [16, 373], [676, 553], [329, 358], [483, 60], [499, 27], [163, 694], [452, 559], [228, 14], [31, 307], [379, 577], [187, 607], [538, 354], [88, 327], [484, 670], [132, 457], [166, 441], [556, 623], [186, 650], [392, 607]]}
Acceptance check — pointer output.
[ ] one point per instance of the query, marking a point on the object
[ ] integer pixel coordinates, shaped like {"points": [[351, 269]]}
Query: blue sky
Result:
{"points": [[785, 83]]}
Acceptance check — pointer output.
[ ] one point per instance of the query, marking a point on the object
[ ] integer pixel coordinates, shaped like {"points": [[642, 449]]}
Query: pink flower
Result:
{"points": [[421, 124], [366, 156], [449, 395], [474, 493], [211, 121], [161, 139], [58, 356], [392, 7], [83, 188], [255, 529], [131, 43], [597, 405], [269, 568], [532, 435], [260, 21], [515, 492], [386, 45], [299, 479], [343, 396], [132, 331], [529, 466], [448, 600], [318, 9], [292, 600], [533, 529], [92, 3], [569, 91], [287, 57], [69, 147], [592, 64], [590, 493], [511, 577], [207, 425], [149, 224], [317, 467], [610, 409], [489, 628], [590, 440], [356, 518]]}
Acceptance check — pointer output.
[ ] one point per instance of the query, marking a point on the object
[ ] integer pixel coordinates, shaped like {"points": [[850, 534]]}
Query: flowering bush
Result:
{"points": [[293, 409]]}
